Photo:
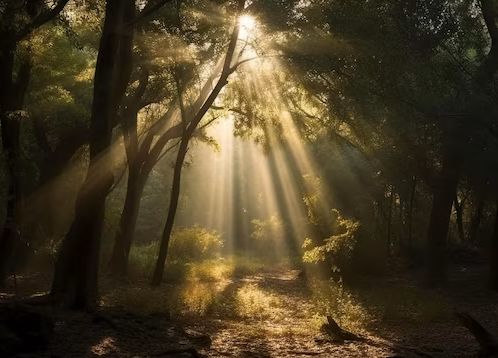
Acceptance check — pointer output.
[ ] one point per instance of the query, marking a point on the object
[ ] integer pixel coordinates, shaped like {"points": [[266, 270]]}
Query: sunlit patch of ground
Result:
{"points": [[273, 313], [105, 346]]}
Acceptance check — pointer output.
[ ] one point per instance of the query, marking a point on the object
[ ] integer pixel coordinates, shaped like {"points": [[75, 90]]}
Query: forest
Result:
{"points": [[249, 178]]}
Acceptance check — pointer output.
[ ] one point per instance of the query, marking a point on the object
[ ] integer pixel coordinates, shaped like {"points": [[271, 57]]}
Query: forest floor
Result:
{"points": [[272, 313]]}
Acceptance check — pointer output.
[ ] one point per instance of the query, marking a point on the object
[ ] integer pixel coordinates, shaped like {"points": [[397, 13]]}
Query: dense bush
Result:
{"points": [[186, 245], [195, 243], [269, 236], [336, 249]]}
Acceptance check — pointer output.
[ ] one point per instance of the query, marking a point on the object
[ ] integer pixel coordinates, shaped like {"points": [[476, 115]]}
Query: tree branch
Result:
{"points": [[41, 19], [489, 12], [147, 11]]}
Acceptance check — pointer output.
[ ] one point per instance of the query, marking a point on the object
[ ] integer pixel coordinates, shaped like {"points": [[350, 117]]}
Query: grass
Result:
{"points": [[332, 299], [198, 289], [254, 303], [143, 258], [187, 299], [408, 304], [190, 288]]}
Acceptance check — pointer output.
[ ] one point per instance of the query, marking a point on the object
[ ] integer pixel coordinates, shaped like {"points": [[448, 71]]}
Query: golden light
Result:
{"points": [[247, 25], [248, 22]]}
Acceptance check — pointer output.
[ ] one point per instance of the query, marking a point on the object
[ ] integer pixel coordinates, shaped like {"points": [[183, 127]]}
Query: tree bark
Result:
{"points": [[410, 212], [389, 222], [443, 197], [493, 257], [188, 130], [118, 265], [475, 221], [173, 205], [11, 105], [459, 217], [75, 282]]}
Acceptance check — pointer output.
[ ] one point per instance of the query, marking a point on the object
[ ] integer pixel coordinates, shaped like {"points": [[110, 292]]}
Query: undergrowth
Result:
{"points": [[408, 304], [233, 288]]}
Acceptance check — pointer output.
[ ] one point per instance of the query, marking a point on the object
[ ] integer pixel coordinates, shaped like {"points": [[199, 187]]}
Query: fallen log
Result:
{"points": [[335, 333]]}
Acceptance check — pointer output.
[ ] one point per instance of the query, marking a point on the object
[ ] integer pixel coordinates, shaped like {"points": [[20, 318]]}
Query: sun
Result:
{"points": [[247, 22]]}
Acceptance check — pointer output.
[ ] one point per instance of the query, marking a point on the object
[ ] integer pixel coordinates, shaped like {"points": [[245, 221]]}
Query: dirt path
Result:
{"points": [[275, 314], [275, 318]]}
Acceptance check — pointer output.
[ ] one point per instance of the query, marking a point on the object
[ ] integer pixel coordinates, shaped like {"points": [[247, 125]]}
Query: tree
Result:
{"points": [[455, 139], [190, 34], [18, 23], [75, 280], [426, 47], [189, 127]]}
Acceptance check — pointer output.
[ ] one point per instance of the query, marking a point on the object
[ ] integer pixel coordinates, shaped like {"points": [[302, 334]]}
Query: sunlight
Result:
{"points": [[248, 22], [247, 26], [221, 201], [255, 303]]}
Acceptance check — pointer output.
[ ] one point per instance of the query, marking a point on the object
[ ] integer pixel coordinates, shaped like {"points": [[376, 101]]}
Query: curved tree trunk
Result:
{"points": [[118, 264], [75, 282], [173, 205], [189, 128]]}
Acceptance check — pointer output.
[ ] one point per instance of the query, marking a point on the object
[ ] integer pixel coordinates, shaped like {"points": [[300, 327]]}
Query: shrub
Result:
{"points": [[269, 236], [195, 243], [143, 259], [331, 299], [187, 245], [335, 249]]}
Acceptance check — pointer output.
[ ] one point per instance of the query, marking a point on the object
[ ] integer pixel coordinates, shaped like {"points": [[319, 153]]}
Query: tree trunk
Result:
{"points": [[459, 217], [10, 234], [493, 257], [118, 264], [410, 213], [75, 281], [11, 105], [389, 222], [168, 227], [443, 197], [475, 222], [188, 131], [13, 87]]}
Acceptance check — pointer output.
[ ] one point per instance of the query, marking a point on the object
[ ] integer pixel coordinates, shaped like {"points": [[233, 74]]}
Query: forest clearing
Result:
{"points": [[274, 312], [249, 178]]}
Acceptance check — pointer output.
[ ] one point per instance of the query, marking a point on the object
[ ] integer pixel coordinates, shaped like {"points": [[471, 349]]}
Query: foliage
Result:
{"points": [[403, 303], [195, 243], [264, 231], [180, 300], [332, 299], [254, 303], [340, 244]]}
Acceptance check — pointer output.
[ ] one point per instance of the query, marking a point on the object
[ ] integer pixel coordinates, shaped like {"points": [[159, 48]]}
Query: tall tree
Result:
{"points": [[458, 129], [75, 280], [143, 155], [188, 129], [18, 21]]}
